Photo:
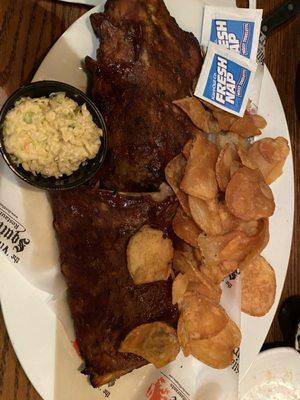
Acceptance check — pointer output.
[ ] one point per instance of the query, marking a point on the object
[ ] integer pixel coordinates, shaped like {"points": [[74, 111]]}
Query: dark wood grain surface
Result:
{"points": [[28, 28]]}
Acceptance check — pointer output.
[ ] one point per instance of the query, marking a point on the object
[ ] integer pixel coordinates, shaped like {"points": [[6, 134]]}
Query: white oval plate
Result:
{"points": [[39, 341]]}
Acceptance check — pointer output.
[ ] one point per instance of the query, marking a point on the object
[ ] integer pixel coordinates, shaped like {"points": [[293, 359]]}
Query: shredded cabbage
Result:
{"points": [[51, 136]]}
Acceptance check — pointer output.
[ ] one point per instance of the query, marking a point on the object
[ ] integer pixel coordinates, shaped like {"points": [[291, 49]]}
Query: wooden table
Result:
{"points": [[28, 28]]}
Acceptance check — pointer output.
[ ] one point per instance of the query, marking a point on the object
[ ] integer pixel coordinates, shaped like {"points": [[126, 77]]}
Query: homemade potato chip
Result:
{"points": [[199, 179], [258, 287], [227, 156], [209, 106], [225, 119], [248, 125], [188, 250], [248, 197], [195, 111], [230, 222], [234, 167], [206, 215], [222, 254], [232, 138], [238, 247], [249, 227], [259, 121], [243, 247], [217, 351], [245, 160], [204, 287], [179, 288], [197, 254], [268, 155], [185, 263], [202, 318], [187, 148], [218, 272], [213, 125], [211, 247], [155, 342], [174, 172], [185, 227], [149, 256], [183, 338], [261, 240]]}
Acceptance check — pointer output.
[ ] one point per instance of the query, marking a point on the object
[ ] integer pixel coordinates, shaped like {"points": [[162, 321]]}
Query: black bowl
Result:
{"points": [[86, 171]]}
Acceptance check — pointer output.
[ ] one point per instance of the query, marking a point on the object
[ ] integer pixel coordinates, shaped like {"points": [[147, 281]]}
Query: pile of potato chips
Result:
{"points": [[222, 182]]}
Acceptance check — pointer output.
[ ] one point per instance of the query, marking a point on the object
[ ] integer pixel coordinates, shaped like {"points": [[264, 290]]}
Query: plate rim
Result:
{"points": [[10, 333]]}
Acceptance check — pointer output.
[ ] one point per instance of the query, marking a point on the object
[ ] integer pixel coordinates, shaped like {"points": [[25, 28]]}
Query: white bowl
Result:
{"points": [[278, 368]]}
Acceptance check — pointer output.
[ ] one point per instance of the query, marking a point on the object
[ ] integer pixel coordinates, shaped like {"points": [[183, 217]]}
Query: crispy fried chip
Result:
{"points": [[217, 351], [199, 282], [187, 148], [225, 119], [268, 155], [209, 106], [259, 121], [197, 254], [222, 254], [238, 248], [149, 256], [258, 287], [185, 227], [199, 178], [195, 111], [261, 240], [211, 247], [174, 172], [186, 263], [234, 167], [232, 138], [248, 197], [202, 318], [204, 287], [223, 166], [245, 160], [183, 338], [230, 222], [248, 227], [213, 125], [179, 288], [155, 342], [248, 125], [206, 215]]}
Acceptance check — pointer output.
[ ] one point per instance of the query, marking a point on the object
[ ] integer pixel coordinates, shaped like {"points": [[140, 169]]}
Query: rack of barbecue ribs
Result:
{"points": [[145, 61], [93, 228]]}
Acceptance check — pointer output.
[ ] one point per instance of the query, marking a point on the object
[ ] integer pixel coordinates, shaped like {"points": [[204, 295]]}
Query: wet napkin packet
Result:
{"points": [[225, 79], [237, 29]]}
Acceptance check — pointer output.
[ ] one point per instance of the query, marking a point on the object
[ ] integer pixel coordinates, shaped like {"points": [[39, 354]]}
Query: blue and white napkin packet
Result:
{"points": [[230, 39], [237, 29], [225, 79]]}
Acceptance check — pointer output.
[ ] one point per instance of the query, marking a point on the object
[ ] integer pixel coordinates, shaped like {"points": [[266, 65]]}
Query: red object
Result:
{"points": [[75, 345], [157, 392]]}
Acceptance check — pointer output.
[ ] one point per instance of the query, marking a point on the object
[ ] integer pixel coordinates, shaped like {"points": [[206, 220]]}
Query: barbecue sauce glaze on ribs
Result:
{"points": [[93, 228], [144, 62]]}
